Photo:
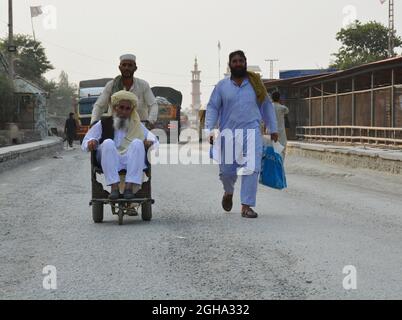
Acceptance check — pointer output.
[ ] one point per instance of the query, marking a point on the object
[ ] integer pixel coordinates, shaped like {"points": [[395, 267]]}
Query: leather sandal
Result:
{"points": [[227, 202], [128, 194], [114, 195], [249, 213]]}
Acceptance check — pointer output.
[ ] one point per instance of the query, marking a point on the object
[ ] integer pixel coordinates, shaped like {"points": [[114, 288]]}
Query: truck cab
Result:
{"points": [[89, 92], [169, 104], [85, 106]]}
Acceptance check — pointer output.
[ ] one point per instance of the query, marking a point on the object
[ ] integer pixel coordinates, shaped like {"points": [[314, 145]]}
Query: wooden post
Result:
{"points": [[322, 104], [372, 101], [393, 98], [309, 108], [336, 103], [353, 103]]}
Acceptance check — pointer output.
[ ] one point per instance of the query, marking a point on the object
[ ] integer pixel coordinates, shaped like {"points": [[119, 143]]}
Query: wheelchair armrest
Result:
{"points": [[96, 167]]}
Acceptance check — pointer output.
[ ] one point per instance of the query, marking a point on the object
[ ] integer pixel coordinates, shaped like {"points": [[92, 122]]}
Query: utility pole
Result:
{"points": [[391, 26], [271, 72], [11, 47]]}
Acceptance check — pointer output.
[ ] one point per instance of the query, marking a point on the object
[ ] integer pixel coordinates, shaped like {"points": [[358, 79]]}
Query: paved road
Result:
{"points": [[330, 217]]}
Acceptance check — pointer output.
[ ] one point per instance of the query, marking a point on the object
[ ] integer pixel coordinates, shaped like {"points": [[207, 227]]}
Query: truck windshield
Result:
{"points": [[86, 107]]}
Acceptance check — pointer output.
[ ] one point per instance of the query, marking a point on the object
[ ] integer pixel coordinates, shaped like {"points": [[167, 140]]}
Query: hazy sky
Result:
{"points": [[87, 37]]}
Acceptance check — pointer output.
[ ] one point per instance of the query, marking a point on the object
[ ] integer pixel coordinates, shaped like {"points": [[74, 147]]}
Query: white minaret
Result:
{"points": [[196, 93]]}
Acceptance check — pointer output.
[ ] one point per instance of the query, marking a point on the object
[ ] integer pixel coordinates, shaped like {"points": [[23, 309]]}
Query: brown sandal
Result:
{"points": [[249, 213], [227, 202]]}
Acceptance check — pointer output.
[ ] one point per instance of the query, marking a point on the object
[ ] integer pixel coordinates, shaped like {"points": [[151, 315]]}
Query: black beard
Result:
{"points": [[238, 73], [128, 75]]}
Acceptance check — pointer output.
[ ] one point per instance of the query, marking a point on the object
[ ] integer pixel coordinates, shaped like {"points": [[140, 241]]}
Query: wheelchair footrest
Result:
{"points": [[122, 201]]}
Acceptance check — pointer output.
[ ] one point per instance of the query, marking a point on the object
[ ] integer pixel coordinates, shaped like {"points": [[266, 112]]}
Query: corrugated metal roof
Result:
{"points": [[22, 85], [333, 75], [289, 81], [363, 68]]}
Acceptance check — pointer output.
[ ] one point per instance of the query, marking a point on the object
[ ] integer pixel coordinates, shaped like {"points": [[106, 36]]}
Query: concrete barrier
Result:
{"points": [[13, 156], [354, 157]]}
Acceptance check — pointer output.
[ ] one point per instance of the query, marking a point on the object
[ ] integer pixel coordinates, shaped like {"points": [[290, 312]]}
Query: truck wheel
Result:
{"points": [[146, 211], [97, 212], [120, 215]]}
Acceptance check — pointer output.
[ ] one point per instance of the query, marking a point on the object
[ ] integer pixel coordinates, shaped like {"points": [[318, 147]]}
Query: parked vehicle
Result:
{"points": [[89, 92], [169, 102]]}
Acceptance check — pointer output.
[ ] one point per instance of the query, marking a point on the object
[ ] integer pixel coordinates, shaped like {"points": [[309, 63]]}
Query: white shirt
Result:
{"points": [[147, 105], [281, 111], [95, 133]]}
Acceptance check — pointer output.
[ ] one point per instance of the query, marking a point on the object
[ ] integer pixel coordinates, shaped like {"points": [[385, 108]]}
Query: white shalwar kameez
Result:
{"points": [[107, 154]]}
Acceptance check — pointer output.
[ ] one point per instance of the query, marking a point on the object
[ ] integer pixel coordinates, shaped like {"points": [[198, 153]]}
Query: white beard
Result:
{"points": [[120, 123]]}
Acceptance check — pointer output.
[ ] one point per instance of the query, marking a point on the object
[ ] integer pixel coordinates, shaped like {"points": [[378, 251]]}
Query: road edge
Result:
{"points": [[14, 156], [353, 157]]}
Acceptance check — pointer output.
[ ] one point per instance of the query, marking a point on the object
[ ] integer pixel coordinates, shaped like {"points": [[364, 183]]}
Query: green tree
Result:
{"points": [[63, 96], [362, 43], [48, 86], [30, 61]]}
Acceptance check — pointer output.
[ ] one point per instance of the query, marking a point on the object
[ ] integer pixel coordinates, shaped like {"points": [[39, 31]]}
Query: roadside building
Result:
{"points": [[358, 105]]}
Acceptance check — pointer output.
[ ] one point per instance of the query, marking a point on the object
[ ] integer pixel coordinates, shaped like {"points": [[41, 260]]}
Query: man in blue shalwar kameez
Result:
{"points": [[238, 104]]}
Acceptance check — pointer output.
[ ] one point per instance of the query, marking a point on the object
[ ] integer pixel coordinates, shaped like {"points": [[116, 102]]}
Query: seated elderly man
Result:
{"points": [[121, 141]]}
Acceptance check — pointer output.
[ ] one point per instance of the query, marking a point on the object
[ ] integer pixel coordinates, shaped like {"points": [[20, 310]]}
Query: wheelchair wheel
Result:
{"points": [[97, 212], [146, 211]]}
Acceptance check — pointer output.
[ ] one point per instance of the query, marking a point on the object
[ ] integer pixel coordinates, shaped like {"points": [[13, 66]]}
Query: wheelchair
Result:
{"points": [[120, 207]]}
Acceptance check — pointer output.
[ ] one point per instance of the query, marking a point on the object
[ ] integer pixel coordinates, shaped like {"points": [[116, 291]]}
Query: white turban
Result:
{"points": [[135, 130], [124, 95], [129, 57]]}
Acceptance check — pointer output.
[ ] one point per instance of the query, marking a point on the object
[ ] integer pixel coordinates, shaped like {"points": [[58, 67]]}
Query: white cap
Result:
{"points": [[129, 57]]}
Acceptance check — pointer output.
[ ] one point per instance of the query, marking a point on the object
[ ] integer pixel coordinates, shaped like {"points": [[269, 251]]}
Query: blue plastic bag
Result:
{"points": [[272, 171]]}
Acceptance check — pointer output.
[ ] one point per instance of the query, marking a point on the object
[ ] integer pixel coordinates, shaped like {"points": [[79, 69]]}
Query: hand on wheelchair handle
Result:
{"points": [[148, 144], [149, 125]]}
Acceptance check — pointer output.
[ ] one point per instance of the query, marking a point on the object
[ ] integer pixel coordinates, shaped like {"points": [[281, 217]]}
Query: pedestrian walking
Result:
{"points": [[281, 111], [70, 129], [238, 104]]}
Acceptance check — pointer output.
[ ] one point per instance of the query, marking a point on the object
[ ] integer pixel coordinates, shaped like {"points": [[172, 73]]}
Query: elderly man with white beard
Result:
{"points": [[120, 142]]}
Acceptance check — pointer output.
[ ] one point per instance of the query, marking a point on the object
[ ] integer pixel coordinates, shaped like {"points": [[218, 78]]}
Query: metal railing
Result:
{"points": [[351, 135]]}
